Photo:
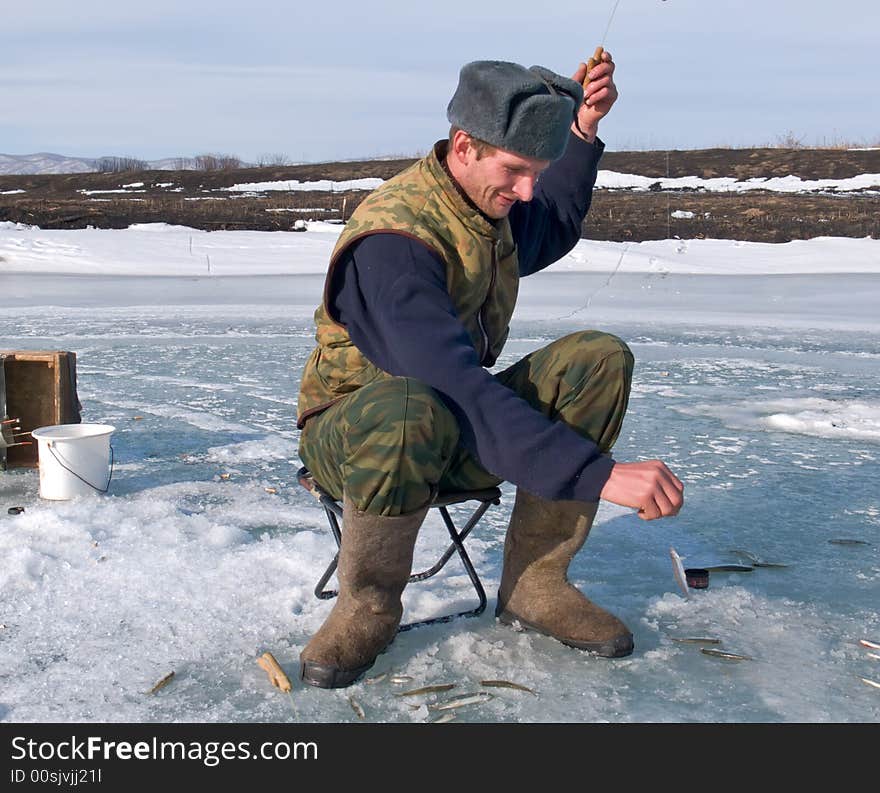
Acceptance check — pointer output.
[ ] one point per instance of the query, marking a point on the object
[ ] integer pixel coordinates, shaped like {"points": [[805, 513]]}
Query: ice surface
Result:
{"points": [[761, 391]]}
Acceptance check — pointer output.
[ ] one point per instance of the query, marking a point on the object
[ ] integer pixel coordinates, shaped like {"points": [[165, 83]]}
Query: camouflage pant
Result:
{"points": [[393, 444]]}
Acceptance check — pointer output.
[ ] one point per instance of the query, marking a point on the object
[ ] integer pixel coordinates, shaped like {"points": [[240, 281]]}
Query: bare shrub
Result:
{"points": [[216, 162], [273, 160], [789, 141], [120, 164]]}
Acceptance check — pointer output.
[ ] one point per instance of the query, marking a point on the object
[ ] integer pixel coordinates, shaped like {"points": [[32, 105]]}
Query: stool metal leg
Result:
{"points": [[334, 512], [457, 545], [474, 519]]}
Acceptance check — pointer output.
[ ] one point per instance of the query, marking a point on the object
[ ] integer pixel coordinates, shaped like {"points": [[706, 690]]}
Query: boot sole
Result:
{"points": [[618, 647], [322, 676], [330, 676]]}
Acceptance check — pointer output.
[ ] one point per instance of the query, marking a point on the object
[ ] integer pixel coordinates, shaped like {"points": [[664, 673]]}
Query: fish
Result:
{"points": [[746, 554], [162, 683], [356, 707], [869, 644], [505, 684], [695, 640], [870, 682], [426, 690], [848, 541], [375, 679], [401, 678], [726, 655], [755, 560], [678, 572], [729, 568], [874, 656], [463, 700], [446, 717]]}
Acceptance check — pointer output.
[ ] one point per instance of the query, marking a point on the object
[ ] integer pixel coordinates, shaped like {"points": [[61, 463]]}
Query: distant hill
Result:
{"points": [[48, 163], [43, 163]]}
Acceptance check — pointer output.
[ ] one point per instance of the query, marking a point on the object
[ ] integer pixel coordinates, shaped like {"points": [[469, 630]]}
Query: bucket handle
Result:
{"points": [[51, 447]]}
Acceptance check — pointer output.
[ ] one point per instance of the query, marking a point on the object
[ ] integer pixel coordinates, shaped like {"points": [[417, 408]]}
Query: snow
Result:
{"points": [[853, 419], [724, 184], [612, 180], [757, 381], [294, 184], [179, 250], [100, 192]]}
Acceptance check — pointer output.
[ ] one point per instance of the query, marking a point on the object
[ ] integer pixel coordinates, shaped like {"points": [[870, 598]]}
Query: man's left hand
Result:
{"points": [[599, 95]]}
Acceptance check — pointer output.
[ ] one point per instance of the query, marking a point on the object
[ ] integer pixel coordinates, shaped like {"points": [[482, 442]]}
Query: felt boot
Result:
{"points": [[375, 561], [542, 539]]}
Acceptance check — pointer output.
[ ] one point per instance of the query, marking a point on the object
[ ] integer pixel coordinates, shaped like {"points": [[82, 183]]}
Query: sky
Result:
{"points": [[350, 80]]}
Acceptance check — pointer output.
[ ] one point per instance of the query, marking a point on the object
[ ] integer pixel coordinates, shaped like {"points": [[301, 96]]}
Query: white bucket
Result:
{"points": [[74, 459]]}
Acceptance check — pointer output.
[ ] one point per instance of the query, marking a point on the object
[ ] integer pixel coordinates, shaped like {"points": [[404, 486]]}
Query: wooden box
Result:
{"points": [[37, 387]]}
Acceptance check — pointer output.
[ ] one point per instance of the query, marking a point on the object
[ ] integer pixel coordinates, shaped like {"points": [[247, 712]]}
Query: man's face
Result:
{"points": [[497, 180]]}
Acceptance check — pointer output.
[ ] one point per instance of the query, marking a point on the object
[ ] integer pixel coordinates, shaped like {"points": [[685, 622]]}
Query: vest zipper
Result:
{"points": [[485, 351]]}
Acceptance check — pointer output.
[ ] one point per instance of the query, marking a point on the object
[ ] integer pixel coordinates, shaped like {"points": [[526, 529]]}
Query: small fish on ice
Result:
{"points": [[678, 572]]}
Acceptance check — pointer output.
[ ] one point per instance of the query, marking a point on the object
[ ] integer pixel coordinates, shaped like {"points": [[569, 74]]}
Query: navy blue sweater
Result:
{"points": [[390, 293]]}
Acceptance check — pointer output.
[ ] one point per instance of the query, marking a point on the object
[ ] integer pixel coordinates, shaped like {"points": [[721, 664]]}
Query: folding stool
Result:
{"points": [[486, 498]]}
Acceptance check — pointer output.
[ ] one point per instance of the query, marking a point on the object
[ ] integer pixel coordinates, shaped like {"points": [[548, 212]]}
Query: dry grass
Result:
{"points": [[58, 201], [790, 140]]}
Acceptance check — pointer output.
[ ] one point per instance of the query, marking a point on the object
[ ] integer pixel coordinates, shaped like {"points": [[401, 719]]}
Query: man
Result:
{"points": [[396, 404]]}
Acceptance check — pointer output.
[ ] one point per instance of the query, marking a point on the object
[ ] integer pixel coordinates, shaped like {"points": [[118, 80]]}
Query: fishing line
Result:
{"points": [[596, 291], [586, 305], [608, 26]]}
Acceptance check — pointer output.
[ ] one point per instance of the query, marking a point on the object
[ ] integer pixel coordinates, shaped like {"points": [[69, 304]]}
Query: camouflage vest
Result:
{"points": [[482, 274]]}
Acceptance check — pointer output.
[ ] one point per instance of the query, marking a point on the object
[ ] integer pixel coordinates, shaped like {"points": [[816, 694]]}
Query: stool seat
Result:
{"points": [[485, 498]]}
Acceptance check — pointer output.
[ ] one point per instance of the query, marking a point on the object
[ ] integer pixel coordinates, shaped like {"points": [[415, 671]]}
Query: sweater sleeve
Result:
{"points": [[549, 226], [390, 293]]}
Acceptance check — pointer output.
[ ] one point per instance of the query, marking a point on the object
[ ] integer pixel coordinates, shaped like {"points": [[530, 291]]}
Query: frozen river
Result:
{"points": [[761, 392]]}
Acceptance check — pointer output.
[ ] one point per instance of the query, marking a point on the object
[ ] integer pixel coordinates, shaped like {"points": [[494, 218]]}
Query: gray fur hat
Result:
{"points": [[526, 111]]}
